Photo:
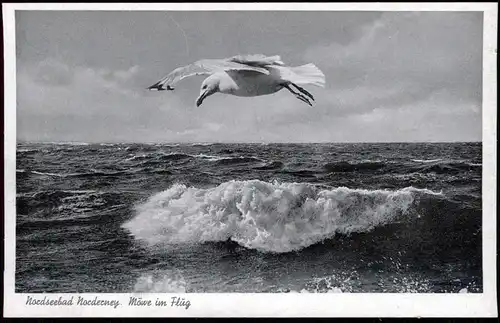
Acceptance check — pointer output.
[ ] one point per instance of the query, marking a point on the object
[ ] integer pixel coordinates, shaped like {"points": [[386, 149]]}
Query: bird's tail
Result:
{"points": [[307, 74]]}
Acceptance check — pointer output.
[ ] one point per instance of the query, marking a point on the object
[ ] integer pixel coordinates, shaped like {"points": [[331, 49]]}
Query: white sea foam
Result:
{"points": [[341, 282], [67, 143], [208, 157], [167, 281], [48, 174], [270, 217], [217, 158], [426, 160], [136, 157], [202, 144]]}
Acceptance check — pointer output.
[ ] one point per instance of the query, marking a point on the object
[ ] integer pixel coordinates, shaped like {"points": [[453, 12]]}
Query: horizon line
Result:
{"points": [[242, 142]]}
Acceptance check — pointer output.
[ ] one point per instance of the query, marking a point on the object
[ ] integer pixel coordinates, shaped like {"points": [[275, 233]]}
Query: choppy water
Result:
{"points": [[248, 218]]}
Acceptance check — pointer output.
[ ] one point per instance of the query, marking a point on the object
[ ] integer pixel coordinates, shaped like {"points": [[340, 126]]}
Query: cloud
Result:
{"points": [[81, 103], [51, 72], [396, 76], [424, 50], [399, 66]]}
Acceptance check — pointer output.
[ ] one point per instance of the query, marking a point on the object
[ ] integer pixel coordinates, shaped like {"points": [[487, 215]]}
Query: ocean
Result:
{"points": [[194, 218]]}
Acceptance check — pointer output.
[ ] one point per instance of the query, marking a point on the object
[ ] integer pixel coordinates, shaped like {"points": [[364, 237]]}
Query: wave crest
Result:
{"points": [[269, 217]]}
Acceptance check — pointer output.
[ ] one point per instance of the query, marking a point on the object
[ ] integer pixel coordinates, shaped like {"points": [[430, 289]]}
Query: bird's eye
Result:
{"points": [[204, 87]]}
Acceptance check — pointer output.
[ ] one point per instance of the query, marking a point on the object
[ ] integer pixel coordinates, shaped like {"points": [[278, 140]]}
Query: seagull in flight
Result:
{"points": [[247, 76]]}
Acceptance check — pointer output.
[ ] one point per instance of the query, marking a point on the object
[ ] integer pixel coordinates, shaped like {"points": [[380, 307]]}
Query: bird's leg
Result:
{"points": [[300, 96], [303, 98], [297, 95], [304, 91]]}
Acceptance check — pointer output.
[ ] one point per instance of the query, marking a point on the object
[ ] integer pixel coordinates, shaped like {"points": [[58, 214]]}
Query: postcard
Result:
{"points": [[252, 159]]}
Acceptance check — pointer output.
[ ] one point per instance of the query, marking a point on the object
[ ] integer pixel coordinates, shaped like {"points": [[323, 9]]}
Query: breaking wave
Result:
{"points": [[269, 217]]}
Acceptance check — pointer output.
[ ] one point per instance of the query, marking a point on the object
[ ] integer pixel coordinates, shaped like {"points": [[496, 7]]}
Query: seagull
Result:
{"points": [[246, 76]]}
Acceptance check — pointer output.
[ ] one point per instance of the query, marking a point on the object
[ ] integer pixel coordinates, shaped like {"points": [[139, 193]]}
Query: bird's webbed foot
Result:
{"points": [[304, 91], [297, 95]]}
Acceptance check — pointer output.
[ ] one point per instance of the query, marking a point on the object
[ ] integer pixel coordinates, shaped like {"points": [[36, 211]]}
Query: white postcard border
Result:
{"points": [[261, 304]]}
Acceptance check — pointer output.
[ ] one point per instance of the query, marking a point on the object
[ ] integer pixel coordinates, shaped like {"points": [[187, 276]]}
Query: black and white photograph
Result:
{"points": [[232, 151]]}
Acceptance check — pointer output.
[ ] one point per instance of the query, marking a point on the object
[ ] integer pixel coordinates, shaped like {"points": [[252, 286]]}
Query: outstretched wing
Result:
{"points": [[257, 60], [202, 67]]}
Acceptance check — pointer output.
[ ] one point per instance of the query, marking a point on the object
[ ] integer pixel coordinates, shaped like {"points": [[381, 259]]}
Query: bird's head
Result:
{"points": [[209, 86]]}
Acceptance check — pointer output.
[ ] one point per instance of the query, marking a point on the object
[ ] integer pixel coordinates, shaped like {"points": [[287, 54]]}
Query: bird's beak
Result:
{"points": [[202, 97]]}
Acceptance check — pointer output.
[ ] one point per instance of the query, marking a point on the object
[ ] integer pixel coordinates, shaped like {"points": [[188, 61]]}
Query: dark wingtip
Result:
{"points": [[159, 87]]}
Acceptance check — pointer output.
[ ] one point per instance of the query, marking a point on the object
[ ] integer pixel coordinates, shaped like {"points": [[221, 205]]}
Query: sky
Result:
{"points": [[390, 76]]}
